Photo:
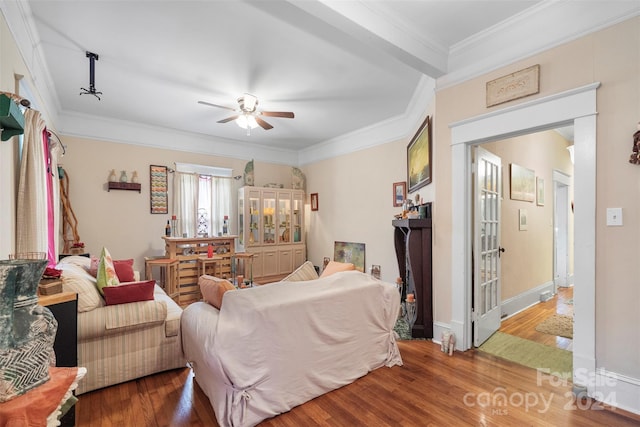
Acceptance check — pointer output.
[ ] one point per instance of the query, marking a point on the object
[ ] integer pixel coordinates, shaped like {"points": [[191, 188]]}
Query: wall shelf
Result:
{"points": [[132, 186]]}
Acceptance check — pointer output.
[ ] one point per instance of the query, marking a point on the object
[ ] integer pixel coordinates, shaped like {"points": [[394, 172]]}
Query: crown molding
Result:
{"points": [[563, 21], [19, 20], [125, 132], [389, 130]]}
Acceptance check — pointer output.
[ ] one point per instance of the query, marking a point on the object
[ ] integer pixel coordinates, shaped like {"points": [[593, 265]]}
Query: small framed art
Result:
{"points": [[399, 193], [314, 201]]}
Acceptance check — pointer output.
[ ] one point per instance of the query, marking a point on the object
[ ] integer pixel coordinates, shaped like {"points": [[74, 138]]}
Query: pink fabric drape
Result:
{"points": [[51, 246]]}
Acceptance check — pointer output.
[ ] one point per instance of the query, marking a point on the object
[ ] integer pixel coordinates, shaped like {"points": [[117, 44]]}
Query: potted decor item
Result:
{"points": [[27, 330], [77, 248]]}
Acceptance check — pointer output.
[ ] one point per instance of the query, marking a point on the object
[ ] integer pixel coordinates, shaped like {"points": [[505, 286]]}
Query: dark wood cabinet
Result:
{"points": [[64, 307], [412, 238]]}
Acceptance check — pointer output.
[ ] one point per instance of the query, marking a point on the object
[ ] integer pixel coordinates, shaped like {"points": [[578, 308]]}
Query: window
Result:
{"points": [[202, 198]]}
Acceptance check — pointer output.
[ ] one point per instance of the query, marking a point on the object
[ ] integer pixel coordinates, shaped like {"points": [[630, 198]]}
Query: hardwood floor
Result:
{"points": [[431, 389], [524, 324]]}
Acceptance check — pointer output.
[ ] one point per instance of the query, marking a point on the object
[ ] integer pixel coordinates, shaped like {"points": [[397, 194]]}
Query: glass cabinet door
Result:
{"points": [[269, 214], [240, 220], [284, 217], [296, 221], [254, 218]]}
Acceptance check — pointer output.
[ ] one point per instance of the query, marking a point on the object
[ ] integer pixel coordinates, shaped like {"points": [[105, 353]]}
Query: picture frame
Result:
{"points": [[513, 86], [540, 191], [350, 252], [399, 193], [314, 201], [522, 220], [523, 183], [419, 163], [158, 189], [375, 271]]}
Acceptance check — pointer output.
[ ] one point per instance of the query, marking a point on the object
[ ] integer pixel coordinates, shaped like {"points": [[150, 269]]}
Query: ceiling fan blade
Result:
{"points": [[264, 125], [228, 119], [285, 114], [216, 105]]}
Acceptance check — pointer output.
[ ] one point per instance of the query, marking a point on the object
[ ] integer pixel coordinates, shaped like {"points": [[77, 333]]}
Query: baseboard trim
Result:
{"points": [[617, 390], [515, 305]]}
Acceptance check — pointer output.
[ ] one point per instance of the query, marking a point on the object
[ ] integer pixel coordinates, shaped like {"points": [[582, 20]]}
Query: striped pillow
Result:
{"points": [[305, 272]]}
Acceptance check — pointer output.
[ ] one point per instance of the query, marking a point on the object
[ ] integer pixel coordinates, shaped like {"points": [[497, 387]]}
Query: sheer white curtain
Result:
{"points": [[215, 198], [185, 203], [31, 218]]}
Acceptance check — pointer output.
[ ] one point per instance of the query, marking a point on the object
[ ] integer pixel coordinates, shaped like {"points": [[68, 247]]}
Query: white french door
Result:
{"points": [[486, 245]]}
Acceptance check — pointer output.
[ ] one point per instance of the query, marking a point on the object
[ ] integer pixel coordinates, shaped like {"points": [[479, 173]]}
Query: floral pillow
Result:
{"points": [[106, 272]]}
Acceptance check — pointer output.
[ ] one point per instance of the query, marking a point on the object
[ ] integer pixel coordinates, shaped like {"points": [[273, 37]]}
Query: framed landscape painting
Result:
{"points": [[419, 157], [349, 252]]}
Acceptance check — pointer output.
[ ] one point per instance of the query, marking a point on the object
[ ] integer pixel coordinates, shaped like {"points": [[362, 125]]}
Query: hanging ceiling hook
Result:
{"points": [[93, 57]]}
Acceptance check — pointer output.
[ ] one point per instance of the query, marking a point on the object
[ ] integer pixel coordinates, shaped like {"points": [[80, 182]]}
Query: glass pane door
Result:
{"points": [[269, 214], [297, 218], [284, 217], [254, 219]]}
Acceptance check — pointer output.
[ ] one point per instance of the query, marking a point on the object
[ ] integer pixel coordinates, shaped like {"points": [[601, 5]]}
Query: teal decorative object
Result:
{"points": [[249, 178], [11, 118], [27, 330]]}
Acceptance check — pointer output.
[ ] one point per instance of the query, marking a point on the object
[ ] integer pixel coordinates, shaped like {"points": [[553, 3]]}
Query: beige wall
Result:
{"points": [[612, 57], [121, 220], [528, 258], [355, 194], [355, 190]]}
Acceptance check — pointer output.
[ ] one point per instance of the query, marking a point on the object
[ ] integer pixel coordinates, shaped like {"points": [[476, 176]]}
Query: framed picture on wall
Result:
{"points": [[314, 201], [419, 157], [159, 194], [399, 193], [540, 191], [523, 183]]}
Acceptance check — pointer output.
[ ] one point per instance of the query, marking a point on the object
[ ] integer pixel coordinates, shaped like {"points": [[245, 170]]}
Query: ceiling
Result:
{"points": [[355, 73]]}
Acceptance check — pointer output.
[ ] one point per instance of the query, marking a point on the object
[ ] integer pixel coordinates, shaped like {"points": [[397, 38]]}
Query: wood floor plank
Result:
{"points": [[432, 389], [468, 388]]}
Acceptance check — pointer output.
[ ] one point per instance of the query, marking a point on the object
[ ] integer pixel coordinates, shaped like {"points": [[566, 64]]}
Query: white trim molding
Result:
{"points": [[577, 107]]}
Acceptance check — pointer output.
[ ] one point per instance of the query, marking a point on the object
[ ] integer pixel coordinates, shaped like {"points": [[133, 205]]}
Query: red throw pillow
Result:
{"points": [[129, 292], [124, 270]]}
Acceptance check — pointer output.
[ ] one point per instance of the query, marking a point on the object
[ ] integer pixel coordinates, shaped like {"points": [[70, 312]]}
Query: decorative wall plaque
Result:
{"points": [[514, 86]]}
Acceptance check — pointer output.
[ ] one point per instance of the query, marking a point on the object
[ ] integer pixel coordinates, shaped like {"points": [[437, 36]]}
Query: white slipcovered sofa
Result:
{"points": [[119, 343], [276, 346]]}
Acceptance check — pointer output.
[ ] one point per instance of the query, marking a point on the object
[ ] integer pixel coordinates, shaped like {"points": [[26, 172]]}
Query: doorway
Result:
{"points": [[577, 107], [561, 230]]}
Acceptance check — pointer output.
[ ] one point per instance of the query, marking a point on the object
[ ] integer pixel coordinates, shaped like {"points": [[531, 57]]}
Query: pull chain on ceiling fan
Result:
{"points": [[248, 116]]}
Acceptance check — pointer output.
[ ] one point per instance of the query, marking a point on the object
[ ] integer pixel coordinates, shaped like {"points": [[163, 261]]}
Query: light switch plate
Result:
{"points": [[614, 217]]}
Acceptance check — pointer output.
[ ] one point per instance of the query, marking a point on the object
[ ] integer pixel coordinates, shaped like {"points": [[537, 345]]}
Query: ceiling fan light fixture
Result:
{"points": [[248, 102], [246, 121]]}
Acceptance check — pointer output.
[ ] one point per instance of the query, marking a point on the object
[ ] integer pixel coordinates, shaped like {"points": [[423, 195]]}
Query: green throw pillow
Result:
{"points": [[106, 272]]}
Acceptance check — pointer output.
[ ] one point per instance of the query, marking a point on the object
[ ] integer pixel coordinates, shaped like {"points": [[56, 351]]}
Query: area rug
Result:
{"points": [[558, 324], [552, 360], [402, 329]]}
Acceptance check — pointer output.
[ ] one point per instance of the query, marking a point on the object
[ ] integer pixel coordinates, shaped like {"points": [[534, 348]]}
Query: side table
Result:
{"points": [[169, 279], [204, 261]]}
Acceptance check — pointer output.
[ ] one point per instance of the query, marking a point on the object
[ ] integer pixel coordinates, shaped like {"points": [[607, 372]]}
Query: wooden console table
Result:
{"points": [[187, 250], [412, 238]]}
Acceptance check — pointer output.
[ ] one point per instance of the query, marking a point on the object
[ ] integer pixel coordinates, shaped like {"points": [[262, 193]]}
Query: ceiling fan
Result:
{"points": [[248, 117]]}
